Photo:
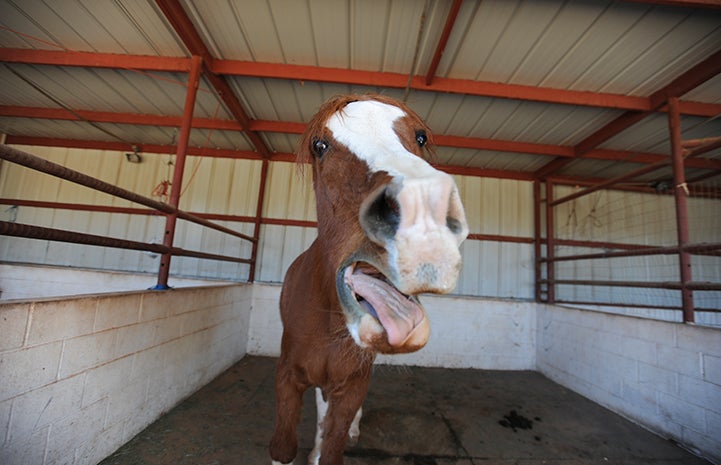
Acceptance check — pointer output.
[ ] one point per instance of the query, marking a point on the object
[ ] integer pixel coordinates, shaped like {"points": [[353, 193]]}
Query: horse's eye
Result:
{"points": [[320, 147], [421, 137]]}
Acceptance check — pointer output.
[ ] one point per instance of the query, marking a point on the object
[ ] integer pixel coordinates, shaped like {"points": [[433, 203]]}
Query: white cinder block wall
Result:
{"points": [[80, 377], [665, 376], [465, 332]]}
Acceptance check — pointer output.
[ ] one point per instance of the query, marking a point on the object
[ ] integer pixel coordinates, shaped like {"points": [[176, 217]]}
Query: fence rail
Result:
{"points": [[37, 232]]}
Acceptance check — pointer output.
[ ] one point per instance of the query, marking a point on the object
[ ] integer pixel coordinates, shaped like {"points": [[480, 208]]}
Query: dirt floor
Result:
{"points": [[419, 416]]}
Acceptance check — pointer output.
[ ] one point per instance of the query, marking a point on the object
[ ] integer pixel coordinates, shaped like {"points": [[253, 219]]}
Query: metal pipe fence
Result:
{"points": [[36, 232]]}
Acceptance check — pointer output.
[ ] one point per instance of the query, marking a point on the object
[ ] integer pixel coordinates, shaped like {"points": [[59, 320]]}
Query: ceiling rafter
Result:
{"points": [[94, 59], [351, 77], [185, 29], [231, 153], [684, 83], [682, 3], [280, 157], [476, 143], [630, 109], [443, 41]]}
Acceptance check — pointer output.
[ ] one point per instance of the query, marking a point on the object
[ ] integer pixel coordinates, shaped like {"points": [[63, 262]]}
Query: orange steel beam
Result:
{"points": [[94, 60], [231, 153], [399, 81], [290, 157], [687, 81], [180, 157], [184, 27], [345, 76], [682, 3], [475, 143], [681, 201], [443, 41], [450, 85]]}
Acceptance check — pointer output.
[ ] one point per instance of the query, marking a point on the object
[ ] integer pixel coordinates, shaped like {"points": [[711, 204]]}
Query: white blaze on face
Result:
{"points": [[366, 128], [423, 254]]}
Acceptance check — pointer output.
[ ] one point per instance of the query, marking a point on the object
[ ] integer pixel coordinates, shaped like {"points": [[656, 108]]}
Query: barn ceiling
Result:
{"points": [[518, 89]]}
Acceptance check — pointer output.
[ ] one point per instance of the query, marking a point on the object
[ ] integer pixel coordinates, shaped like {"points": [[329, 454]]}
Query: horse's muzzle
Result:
{"points": [[421, 223]]}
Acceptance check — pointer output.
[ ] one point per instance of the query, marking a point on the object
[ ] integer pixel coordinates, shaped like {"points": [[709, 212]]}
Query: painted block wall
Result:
{"points": [[79, 377], [35, 282], [465, 332], [665, 376], [101, 368]]}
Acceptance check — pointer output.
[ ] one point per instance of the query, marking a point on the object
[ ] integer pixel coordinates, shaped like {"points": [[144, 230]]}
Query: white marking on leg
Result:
{"points": [[275, 462], [354, 431], [322, 409]]}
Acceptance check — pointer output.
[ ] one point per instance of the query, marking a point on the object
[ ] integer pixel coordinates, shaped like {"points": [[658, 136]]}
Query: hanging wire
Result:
{"points": [[202, 150], [57, 101], [34, 38], [163, 188]]}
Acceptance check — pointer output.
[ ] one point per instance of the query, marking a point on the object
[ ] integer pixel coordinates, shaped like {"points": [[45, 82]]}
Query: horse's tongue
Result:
{"points": [[398, 314]]}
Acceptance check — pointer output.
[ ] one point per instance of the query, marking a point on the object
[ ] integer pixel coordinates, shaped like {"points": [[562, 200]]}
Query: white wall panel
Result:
{"points": [[279, 246], [495, 269], [636, 219], [222, 186], [226, 186], [497, 206], [289, 193]]}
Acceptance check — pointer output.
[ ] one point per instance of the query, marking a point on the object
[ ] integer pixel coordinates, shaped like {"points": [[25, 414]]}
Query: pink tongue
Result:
{"points": [[398, 315]]}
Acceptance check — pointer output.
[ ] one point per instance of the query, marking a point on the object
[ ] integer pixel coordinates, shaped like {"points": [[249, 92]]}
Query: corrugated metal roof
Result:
{"points": [[608, 47]]}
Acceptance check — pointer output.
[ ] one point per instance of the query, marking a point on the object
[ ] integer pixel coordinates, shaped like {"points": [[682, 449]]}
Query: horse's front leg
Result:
{"points": [[288, 404], [343, 410]]}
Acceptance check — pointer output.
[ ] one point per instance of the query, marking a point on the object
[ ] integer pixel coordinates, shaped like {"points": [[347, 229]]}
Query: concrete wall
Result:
{"points": [[465, 332], [79, 377], [665, 376], [36, 282]]}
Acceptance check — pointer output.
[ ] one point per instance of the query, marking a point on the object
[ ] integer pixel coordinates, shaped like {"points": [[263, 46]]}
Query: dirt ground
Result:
{"points": [[418, 416]]}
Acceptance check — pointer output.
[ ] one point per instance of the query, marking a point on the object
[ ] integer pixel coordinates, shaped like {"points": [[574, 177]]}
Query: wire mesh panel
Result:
{"points": [[619, 249]]}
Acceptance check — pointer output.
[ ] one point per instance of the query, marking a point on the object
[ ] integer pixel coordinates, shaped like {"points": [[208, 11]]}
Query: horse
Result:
{"points": [[389, 228]]}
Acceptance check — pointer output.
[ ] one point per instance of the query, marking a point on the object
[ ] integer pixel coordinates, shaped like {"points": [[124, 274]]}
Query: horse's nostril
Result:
{"points": [[454, 225], [383, 215]]}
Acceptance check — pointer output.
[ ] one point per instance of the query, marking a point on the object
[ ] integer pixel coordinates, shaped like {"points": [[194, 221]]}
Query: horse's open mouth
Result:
{"points": [[398, 313]]}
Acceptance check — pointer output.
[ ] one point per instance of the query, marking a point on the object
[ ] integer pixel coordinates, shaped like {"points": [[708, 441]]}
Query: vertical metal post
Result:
{"points": [[550, 244], [258, 216], [176, 186], [680, 194], [3, 137], [537, 236]]}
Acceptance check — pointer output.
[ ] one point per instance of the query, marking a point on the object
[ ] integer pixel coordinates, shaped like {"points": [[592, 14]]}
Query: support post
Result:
{"points": [[680, 196], [176, 187], [550, 244], [537, 237], [258, 216]]}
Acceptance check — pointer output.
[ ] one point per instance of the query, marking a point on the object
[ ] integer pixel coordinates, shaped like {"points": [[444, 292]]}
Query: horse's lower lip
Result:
{"points": [[370, 270], [365, 305], [399, 314]]}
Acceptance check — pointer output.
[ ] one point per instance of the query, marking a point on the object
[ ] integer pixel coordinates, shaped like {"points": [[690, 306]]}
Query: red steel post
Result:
{"points": [[185, 127], [537, 237], [258, 218], [550, 244], [680, 194]]}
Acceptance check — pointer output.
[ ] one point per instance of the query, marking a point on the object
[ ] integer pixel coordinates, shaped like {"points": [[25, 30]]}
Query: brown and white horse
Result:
{"points": [[389, 228]]}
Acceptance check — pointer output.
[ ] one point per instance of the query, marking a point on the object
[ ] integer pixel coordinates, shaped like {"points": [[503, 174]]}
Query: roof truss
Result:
{"points": [[632, 108]]}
